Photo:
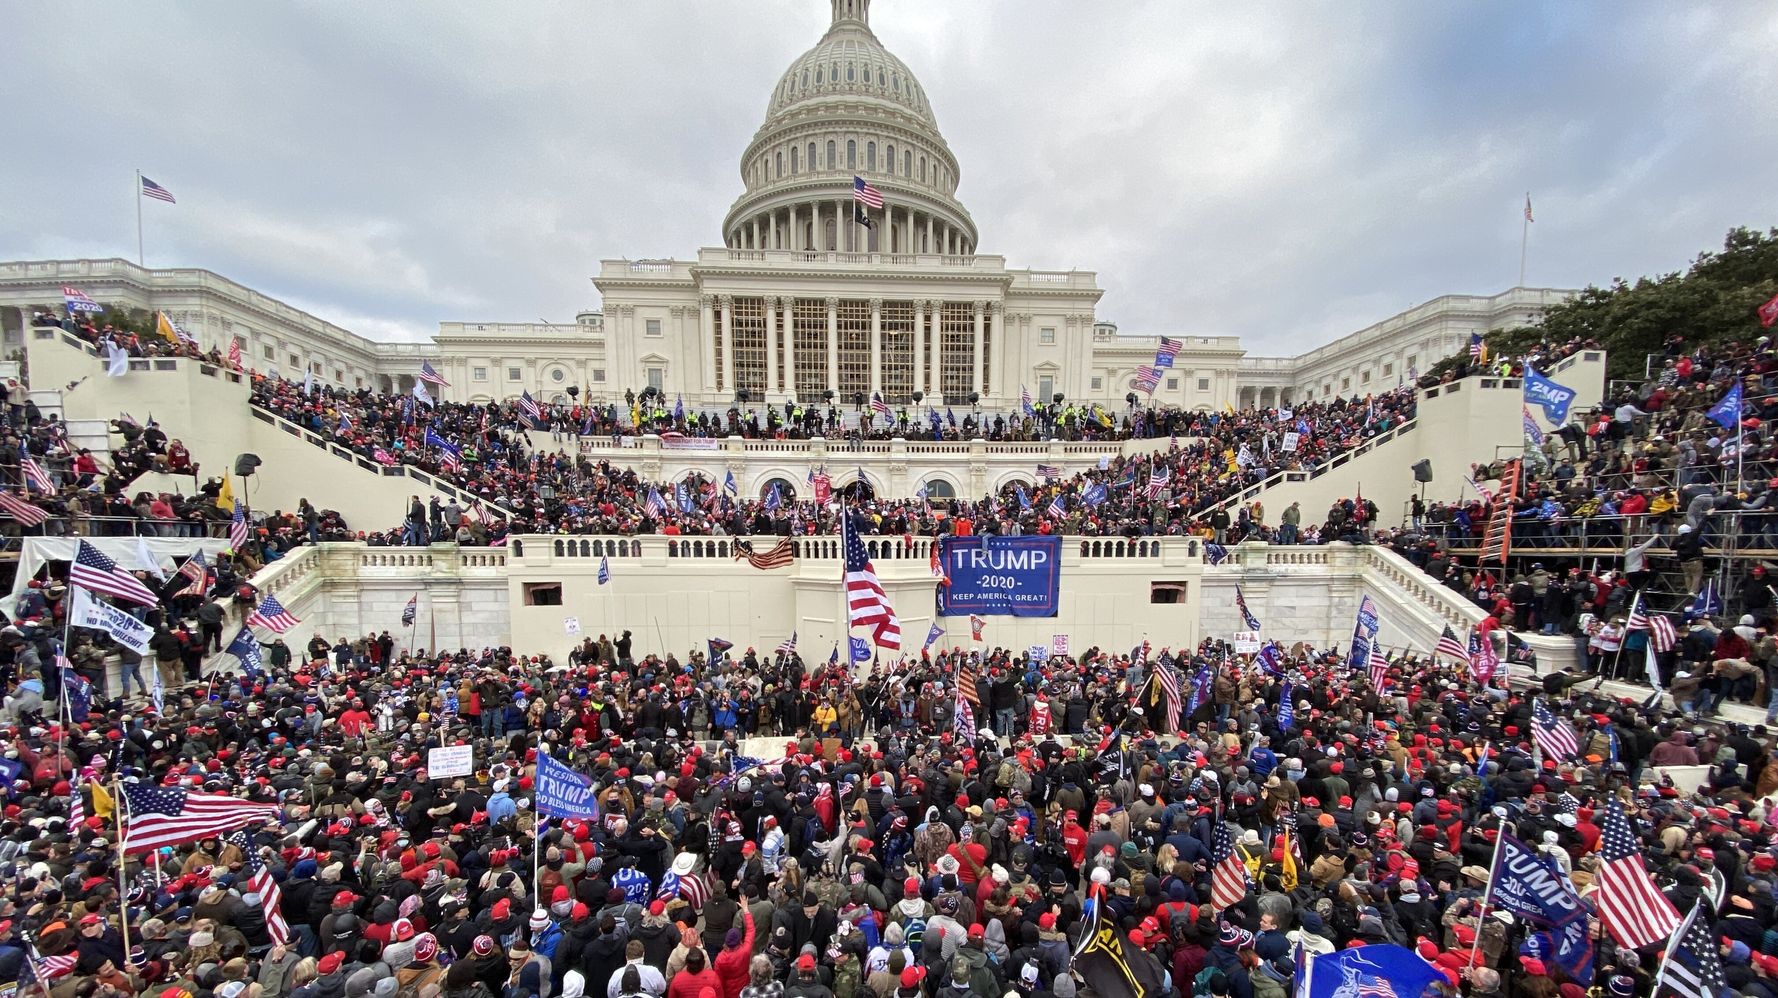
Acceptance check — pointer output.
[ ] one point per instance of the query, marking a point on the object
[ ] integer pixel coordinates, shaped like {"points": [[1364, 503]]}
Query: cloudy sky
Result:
{"points": [[1285, 172]]}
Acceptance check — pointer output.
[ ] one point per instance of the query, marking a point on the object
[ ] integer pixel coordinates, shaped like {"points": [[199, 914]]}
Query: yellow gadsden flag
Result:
{"points": [[1287, 874], [103, 805], [225, 497]]}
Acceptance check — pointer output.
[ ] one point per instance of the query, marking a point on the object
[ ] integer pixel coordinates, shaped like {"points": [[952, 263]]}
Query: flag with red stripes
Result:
{"points": [[1634, 910], [272, 616], [20, 510], [1229, 882], [261, 884]]}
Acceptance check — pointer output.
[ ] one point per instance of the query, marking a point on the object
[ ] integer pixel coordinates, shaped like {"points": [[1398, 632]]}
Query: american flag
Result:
{"points": [[20, 510], [260, 882], [77, 301], [1048, 471], [432, 377], [1528, 217], [197, 572], [1169, 350], [1633, 908], [1157, 480], [411, 612], [76, 808], [1661, 634], [95, 572], [1475, 346], [1228, 875], [239, 530], [531, 409], [1148, 378], [1692, 967], [48, 968], [878, 406], [1247, 616], [163, 816], [966, 681], [150, 189], [1168, 678], [655, 505], [1552, 734], [782, 555], [272, 616], [1055, 508], [788, 645], [1450, 644], [1025, 401], [866, 602], [35, 476], [866, 194]]}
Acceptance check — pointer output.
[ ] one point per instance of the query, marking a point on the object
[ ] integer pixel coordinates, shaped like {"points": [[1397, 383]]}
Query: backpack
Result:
{"points": [[913, 931], [1201, 984]]}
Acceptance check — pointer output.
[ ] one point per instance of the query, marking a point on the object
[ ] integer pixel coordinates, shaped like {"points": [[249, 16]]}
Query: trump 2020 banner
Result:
{"points": [[1001, 576]]}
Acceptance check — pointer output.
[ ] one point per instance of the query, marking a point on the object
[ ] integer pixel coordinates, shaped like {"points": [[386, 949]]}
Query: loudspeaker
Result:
{"points": [[245, 463], [1423, 470]]}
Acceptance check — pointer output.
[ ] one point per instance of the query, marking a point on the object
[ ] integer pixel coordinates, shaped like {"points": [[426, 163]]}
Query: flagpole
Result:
{"points": [[537, 832], [1487, 894], [1524, 237], [138, 192], [123, 884]]}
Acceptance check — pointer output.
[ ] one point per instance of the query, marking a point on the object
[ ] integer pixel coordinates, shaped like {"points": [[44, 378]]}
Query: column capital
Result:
{"points": [[978, 307], [706, 301], [725, 301], [992, 307], [876, 304], [833, 302]]}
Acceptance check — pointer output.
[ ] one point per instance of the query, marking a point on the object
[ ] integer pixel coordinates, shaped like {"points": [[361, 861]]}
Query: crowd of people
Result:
{"points": [[883, 847]]}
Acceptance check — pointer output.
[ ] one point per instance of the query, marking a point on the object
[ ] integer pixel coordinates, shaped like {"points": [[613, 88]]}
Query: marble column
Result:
{"points": [[933, 311], [727, 382], [919, 346], [833, 344], [976, 367], [771, 309], [789, 335], [876, 345], [707, 336], [931, 243]]}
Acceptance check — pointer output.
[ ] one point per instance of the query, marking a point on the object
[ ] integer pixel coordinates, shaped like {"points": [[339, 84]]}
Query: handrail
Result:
{"points": [[1339, 460]]}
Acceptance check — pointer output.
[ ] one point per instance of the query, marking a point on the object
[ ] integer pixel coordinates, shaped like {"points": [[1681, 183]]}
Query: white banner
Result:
{"points": [[571, 625], [1289, 444], [1059, 644], [1247, 642], [123, 628], [451, 760]]}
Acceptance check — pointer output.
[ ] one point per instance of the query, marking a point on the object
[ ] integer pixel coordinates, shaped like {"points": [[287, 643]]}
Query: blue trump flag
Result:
{"points": [[1554, 398], [1530, 886], [1727, 413], [1368, 970], [860, 650], [564, 793], [246, 648]]}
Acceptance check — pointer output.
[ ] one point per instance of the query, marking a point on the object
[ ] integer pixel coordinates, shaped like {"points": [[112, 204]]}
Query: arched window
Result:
{"points": [[805, 81], [922, 169], [820, 75], [879, 76], [889, 158], [938, 488], [833, 163], [907, 164], [870, 156], [828, 234], [850, 73], [780, 164], [851, 154], [795, 156]]}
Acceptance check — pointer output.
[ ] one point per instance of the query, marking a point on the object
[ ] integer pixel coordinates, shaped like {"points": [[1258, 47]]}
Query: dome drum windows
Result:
{"points": [[870, 156]]}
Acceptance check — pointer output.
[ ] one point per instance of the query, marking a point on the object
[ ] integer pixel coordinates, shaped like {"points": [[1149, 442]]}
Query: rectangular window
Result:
{"points": [[657, 378], [808, 342], [1046, 388], [479, 373], [1327, 389], [1364, 377], [1046, 335], [598, 375], [1345, 384], [852, 324], [514, 374], [315, 366], [898, 352], [651, 327], [270, 354], [1172, 384], [296, 361], [748, 324], [1098, 384], [1413, 361], [1203, 384], [543, 594], [1388, 369], [1166, 592]]}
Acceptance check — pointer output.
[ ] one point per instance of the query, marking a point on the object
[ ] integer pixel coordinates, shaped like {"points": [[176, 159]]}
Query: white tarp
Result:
{"points": [[132, 553]]}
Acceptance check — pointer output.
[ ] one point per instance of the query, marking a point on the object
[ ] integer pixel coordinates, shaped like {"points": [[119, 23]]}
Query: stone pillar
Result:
{"points": [[833, 343], [839, 227], [796, 231], [919, 346], [789, 336], [771, 307], [707, 336], [976, 367], [933, 308], [876, 345], [992, 379], [727, 382], [753, 239], [931, 242]]}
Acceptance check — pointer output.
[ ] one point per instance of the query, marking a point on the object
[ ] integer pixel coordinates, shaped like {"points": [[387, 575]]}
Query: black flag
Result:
{"points": [[1108, 967]]}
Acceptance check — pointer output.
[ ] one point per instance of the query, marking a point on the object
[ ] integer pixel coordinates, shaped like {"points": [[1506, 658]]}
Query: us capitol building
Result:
{"points": [[810, 292]]}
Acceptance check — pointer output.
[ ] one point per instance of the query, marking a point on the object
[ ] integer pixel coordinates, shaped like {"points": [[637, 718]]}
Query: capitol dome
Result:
{"points": [[849, 108]]}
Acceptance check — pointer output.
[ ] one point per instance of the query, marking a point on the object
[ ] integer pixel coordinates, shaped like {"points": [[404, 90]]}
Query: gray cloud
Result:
{"points": [[1283, 172]]}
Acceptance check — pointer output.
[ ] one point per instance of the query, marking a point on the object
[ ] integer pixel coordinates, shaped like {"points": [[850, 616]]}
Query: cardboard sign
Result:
{"points": [[571, 625], [1246, 642], [1059, 644], [451, 760]]}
